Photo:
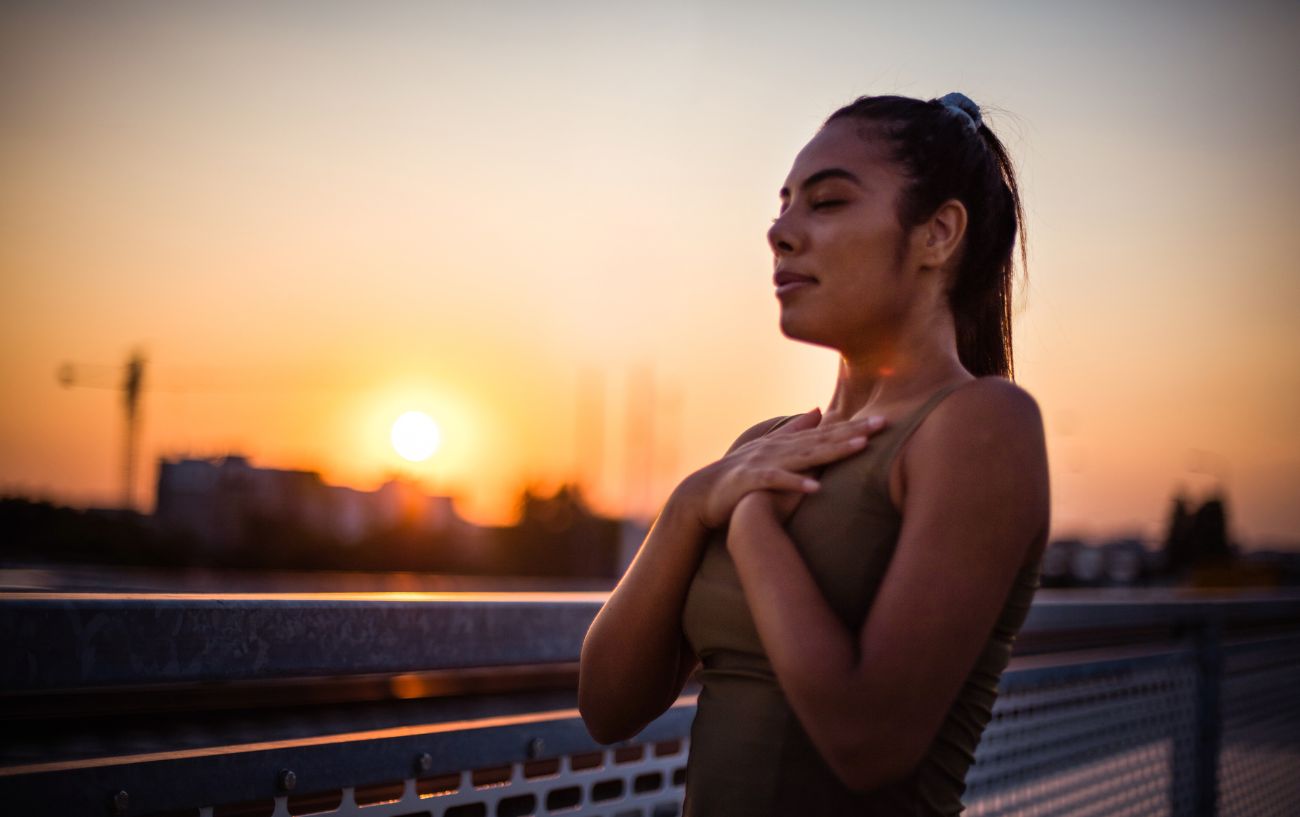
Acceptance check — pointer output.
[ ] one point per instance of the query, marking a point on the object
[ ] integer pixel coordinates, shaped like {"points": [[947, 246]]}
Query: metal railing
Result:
{"points": [[463, 704]]}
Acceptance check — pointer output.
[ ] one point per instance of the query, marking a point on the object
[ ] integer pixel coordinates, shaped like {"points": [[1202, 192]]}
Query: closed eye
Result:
{"points": [[827, 204]]}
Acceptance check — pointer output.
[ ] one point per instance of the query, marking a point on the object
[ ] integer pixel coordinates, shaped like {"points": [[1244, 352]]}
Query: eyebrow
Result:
{"points": [[821, 176]]}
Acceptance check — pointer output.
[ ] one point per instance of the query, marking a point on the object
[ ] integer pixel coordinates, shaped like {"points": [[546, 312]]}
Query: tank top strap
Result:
{"points": [[896, 432], [903, 428]]}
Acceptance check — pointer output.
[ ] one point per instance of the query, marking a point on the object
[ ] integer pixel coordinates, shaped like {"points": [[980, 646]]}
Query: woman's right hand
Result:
{"points": [[778, 461]]}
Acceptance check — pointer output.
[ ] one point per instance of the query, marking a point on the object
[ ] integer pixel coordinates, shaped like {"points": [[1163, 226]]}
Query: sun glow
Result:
{"points": [[415, 436]]}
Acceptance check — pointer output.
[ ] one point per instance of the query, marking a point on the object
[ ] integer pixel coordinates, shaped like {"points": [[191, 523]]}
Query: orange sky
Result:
{"points": [[314, 221]]}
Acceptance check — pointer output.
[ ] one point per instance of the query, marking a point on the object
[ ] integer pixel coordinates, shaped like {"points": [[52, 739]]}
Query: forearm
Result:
{"points": [[814, 655], [631, 655], [807, 644]]}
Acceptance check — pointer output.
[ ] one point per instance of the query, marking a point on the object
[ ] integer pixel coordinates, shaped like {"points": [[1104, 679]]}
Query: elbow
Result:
{"points": [[606, 730], [602, 729], [604, 723], [866, 765], [606, 735], [869, 747], [593, 703]]}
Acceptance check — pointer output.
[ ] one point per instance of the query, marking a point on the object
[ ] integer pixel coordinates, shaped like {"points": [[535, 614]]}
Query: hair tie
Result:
{"points": [[963, 105]]}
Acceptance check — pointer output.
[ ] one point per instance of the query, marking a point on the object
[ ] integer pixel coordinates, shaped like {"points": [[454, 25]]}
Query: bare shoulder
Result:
{"points": [[991, 406], [986, 434]]}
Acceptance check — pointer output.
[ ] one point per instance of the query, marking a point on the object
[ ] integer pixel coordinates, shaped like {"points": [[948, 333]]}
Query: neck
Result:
{"points": [[894, 371]]}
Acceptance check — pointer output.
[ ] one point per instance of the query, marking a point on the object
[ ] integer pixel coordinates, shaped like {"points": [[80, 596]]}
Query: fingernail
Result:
{"points": [[810, 485], [858, 441], [875, 422]]}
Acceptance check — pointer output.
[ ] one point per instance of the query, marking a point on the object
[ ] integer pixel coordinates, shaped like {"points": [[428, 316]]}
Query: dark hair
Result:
{"points": [[945, 158]]}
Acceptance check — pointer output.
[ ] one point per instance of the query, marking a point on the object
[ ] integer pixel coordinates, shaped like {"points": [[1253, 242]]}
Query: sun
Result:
{"points": [[415, 436]]}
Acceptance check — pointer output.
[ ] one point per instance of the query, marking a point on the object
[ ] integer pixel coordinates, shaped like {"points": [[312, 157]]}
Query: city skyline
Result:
{"points": [[525, 223]]}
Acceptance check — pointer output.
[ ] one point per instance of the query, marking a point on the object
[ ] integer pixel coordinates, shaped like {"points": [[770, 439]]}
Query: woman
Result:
{"points": [[851, 580]]}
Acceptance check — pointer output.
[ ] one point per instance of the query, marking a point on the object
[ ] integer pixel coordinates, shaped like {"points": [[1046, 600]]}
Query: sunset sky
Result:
{"points": [[526, 219]]}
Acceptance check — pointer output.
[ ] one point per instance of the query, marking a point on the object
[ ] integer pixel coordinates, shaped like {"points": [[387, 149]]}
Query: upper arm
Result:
{"points": [[976, 504]]}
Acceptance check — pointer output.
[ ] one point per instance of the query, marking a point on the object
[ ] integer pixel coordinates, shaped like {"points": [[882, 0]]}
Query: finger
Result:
{"points": [[803, 422], [824, 452], [854, 427], [820, 446], [844, 430], [779, 479]]}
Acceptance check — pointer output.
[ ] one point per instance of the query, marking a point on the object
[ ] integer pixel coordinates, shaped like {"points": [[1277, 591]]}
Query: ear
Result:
{"points": [[941, 235]]}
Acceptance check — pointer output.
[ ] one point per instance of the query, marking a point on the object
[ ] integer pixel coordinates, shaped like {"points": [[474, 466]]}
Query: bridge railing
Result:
{"points": [[463, 705]]}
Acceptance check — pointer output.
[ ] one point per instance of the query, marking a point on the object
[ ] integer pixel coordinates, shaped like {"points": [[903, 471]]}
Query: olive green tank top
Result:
{"points": [[749, 754]]}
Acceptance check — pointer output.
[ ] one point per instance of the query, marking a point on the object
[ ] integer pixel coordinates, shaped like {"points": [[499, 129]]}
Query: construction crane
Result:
{"points": [[129, 379]]}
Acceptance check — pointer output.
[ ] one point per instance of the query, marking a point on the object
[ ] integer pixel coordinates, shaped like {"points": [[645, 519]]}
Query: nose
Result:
{"points": [[781, 236]]}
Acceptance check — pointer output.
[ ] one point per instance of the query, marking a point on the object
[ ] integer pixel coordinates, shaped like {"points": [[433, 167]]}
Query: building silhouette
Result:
{"points": [[1197, 540], [224, 501]]}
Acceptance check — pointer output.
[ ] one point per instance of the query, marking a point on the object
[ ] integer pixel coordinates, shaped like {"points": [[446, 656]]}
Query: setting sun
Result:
{"points": [[416, 436]]}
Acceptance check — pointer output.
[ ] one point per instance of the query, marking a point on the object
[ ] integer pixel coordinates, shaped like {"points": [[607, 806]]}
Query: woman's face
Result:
{"points": [[839, 251]]}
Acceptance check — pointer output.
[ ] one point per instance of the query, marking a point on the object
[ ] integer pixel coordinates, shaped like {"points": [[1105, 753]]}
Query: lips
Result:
{"points": [[787, 281]]}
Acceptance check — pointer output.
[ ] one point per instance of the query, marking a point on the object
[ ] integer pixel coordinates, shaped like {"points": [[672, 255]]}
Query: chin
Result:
{"points": [[803, 331]]}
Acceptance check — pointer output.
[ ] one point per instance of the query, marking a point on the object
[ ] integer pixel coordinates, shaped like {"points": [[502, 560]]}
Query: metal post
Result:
{"points": [[1194, 776], [1209, 718]]}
